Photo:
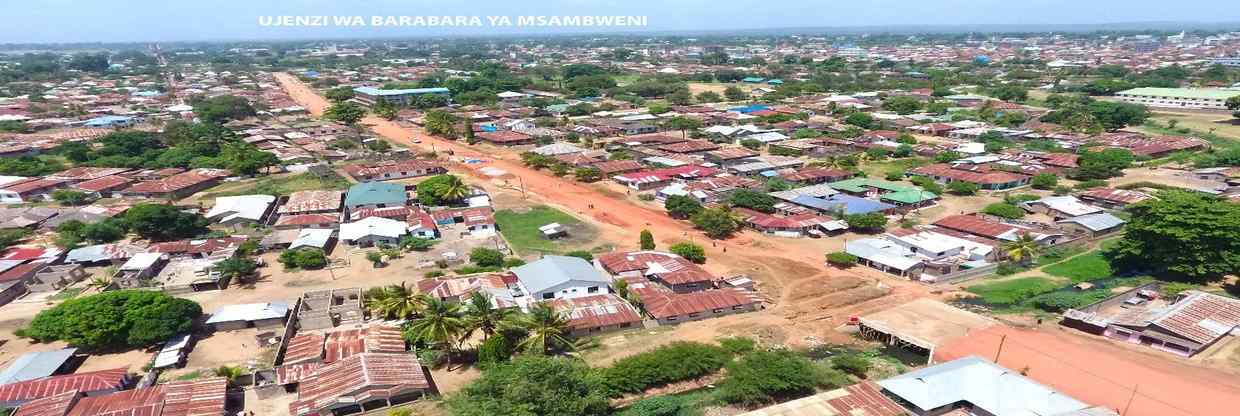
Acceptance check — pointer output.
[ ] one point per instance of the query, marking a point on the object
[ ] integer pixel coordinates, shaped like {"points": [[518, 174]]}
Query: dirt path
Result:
{"points": [[780, 266]]}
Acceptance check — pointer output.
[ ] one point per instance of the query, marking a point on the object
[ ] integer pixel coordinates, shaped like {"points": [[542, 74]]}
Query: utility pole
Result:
{"points": [[1000, 350], [1130, 398]]}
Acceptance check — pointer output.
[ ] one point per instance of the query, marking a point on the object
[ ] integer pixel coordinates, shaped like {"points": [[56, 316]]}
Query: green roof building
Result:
{"points": [[1188, 98], [376, 195], [897, 193]]}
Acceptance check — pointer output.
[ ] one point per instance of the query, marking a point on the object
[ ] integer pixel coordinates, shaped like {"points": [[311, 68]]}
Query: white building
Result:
{"points": [[561, 277], [1194, 98]]}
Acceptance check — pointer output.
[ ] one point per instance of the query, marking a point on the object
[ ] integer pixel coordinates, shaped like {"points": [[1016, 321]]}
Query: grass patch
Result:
{"points": [[1082, 268], [279, 185], [1013, 292], [521, 230], [879, 169], [67, 294], [192, 375]]}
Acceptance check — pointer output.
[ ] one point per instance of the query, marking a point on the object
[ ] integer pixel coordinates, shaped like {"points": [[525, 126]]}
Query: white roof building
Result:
{"points": [[987, 387], [373, 227], [232, 209]]}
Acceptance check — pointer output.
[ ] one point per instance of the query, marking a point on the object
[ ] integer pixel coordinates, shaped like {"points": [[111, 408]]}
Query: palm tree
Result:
{"points": [[547, 329], [440, 323], [100, 283], [455, 190], [1023, 249], [232, 373], [398, 301], [482, 315]]}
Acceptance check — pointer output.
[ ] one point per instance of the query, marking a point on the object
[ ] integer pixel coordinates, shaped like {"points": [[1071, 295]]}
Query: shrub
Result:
{"points": [[1004, 210], [1044, 181], [674, 362], [692, 252], [681, 206], [1090, 184], [841, 259], [1056, 302], [495, 349], [657, 406], [303, 258], [852, 364], [433, 274], [513, 262], [646, 197], [1008, 269], [647, 240], [738, 345], [117, 319], [486, 257], [962, 188], [432, 358], [764, 377], [1018, 198], [866, 223]]}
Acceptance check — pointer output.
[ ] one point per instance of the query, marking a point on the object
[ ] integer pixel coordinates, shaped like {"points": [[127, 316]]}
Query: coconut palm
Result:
{"points": [[232, 373], [100, 283], [439, 323], [397, 302], [1023, 249], [482, 315], [454, 190], [546, 328]]}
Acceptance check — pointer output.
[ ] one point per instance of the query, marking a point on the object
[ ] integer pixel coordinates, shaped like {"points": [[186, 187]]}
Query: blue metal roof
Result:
{"points": [[34, 365], [414, 91], [847, 203]]}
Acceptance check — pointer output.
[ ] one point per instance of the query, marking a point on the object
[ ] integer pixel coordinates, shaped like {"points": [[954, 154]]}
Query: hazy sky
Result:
{"points": [[170, 20]]}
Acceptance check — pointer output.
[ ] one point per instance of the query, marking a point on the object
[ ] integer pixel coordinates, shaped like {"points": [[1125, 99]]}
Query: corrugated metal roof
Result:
{"points": [[989, 387], [33, 365]]}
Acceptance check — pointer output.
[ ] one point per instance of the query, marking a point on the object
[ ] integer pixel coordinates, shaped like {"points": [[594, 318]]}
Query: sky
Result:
{"points": [[71, 21]]}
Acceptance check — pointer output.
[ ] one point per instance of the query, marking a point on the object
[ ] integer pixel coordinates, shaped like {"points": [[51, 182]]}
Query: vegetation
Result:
{"points": [[520, 229], [115, 320], [303, 259], [866, 223], [690, 251], [647, 240], [158, 222], [1082, 268], [717, 223], [962, 188], [765, 377], [1004, 210], [441, 190], [670, 363], [682, 206], [533, 385], [1181, 235], [841, 259], [1012, 292]]}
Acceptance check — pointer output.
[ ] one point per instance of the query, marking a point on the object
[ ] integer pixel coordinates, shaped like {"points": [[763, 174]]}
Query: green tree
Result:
{"points": [[159, 222], [70, 197], [866, 223], [690, 251], [114, 320], [684, 124], [222, 108], [1010, 93], [861, 120], [1107, 163], [581, 254], [1023, 249], [303, 258], [482, 315], [416, 243], [486, 257], [339, 94], [237, 267], [853, 364], [765, 377], [442, 189], [757, 201], [841, 259], [440, 123], [902, 104], [734, 93], [962, 188], [717, 222], [440, 323], [375, 258], [682, 206], [533, 385], [395, 301], [1045, 181], [1004, 210], [709, 97], [588, 174], [546, 330], [345, 112], [1182, 235], [1233, 104], [647, 240]]}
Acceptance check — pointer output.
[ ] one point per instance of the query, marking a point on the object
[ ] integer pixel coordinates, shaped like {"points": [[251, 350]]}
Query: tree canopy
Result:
{"points": [[115, 320], [1181, 235], [222, 108], [160, 222], [533, 386]]}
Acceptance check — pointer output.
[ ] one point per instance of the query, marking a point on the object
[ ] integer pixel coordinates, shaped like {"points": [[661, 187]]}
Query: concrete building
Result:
{"points": [[401, 98], [330, 308], [1190, 98]]}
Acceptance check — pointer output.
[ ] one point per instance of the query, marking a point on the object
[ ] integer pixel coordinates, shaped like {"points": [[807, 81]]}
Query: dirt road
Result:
{"points": [[780, 266]]}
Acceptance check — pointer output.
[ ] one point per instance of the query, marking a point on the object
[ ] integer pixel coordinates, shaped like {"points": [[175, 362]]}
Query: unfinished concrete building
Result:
{"points": [[330, 308]]}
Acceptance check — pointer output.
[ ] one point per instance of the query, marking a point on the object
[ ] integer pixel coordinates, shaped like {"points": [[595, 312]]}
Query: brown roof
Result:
{"points": [[311, 201], [663, 305], [1201, 317], [177, 182], [947, 171], [103, 184], [307, 219], [618, 166], [85, 173], [204, 246], [504, 136], [692, 146], [1118, 196], [359, 378], [976, 225], [809, 174], [596, 311], [34, 185], [731, 153], [93, 381], [392, 167]]}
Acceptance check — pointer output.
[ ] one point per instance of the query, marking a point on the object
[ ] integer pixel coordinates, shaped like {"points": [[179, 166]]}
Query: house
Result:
{"points": [[506, 138], [975, 386], [139, 269], [176, 186], [460, 289], [1093, 225], [36, 365], [994, 228], [730, 155], [112, 254], [103, 187], [814, 176], [618, 167], [1184, 98], [243, 209], [655, 178], [200, 248], [885, 255], [394, 170], [709, 190], [361, 382], [55, 277], [200, 397], [842, 203], [979, 175], [375, 195], [792, 226], [1185, 326], [556, 149], [250, 315], [561, 277], [1060, 207], [1112, 198], [300, 221], [94, 383], [30, 190], [672, 271], [669, 308], [373, 231], [312, 202], [12, 290], [594, 314], [330, 308]]}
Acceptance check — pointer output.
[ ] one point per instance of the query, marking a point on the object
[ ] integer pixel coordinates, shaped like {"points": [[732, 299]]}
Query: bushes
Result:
{"points": [[866, 223], [160, 222], [852, 364], [738, 345], [646, 240], [692, 252], [962, 188], [303, 258], [495, 349], [674, 362], [1056, 302], [1004, 210], [841, 259], [581, 254], [764, 377], [486, 257], [114, 320], [1045, 181], [657, 406], [757, 201], [681, 206], [1012, 292]]}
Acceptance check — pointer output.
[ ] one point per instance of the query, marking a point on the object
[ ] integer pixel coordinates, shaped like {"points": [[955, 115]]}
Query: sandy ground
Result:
{"points": [[1221, 123], [1103, 372]]}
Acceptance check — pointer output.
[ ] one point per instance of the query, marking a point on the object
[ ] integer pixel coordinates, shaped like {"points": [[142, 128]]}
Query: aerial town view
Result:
{"points": [[643, 208]]}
